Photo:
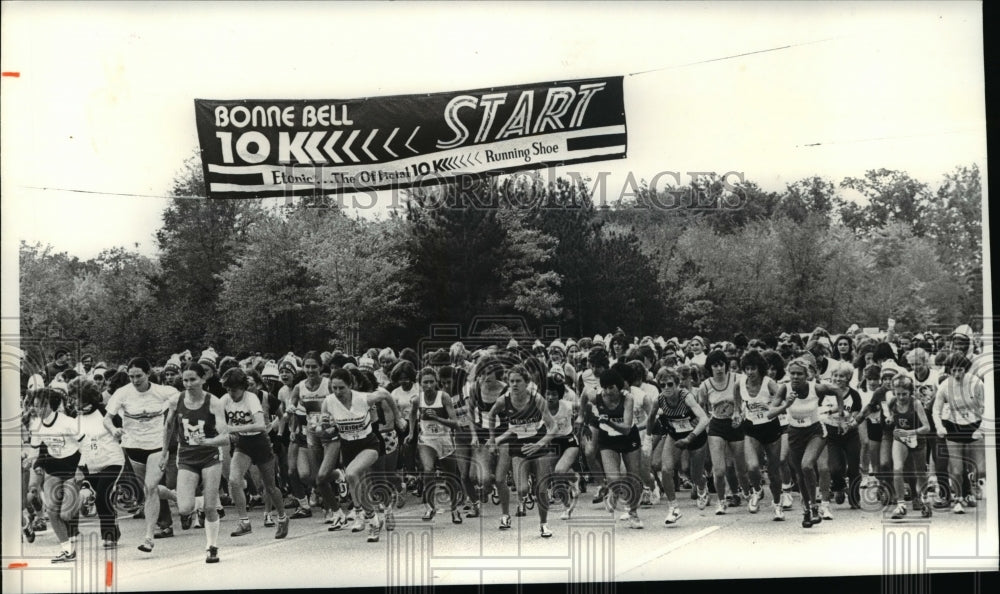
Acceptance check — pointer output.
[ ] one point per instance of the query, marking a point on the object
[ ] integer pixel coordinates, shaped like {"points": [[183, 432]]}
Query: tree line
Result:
{"points": [[248, 278]]}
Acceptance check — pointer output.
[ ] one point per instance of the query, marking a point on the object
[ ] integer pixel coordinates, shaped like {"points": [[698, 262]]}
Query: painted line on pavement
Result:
{"points": [[668, 549]]}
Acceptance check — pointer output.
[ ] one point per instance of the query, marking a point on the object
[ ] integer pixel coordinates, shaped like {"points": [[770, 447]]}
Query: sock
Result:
{"points": [[66, 546], [281, 515], [304, 502], [212, 532]]}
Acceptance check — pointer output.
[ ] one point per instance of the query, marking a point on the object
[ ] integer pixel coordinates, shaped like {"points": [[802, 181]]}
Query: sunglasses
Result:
{"points": [[669, 384]]}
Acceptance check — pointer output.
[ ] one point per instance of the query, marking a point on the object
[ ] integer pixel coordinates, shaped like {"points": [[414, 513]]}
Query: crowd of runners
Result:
{"points": [[830, 420]]}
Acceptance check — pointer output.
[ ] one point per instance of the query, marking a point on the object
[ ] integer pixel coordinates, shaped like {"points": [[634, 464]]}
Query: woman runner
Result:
{"points": [[759, 394], [958, 424], [910, 421], [725, 434], [434, 413]]}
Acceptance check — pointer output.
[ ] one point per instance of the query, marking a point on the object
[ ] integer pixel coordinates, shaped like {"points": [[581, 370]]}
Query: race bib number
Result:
{"points": [[611, 431], [757, 414], [432, 428], [354, 431], [93, 444], [783, 420], [55, 445], [194, 434], [524, 430], [313, 420], [681, 425], [564, 425]]}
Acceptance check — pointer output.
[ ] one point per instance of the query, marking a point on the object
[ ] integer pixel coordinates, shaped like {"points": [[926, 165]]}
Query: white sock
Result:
{"points": [[212, 532], [66, 546]]}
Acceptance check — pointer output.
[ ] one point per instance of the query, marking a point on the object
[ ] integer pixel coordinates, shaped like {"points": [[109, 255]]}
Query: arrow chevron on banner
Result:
{"points": [[312, 147], [328, 147], [407, 145], [368, 140], [388, 140], [347, 146]]}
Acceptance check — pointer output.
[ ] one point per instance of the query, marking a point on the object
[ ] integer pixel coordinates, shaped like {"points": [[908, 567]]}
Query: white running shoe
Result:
{"points": [[786, 500], [544, 531], [720, 510], [625, 516], [824, 510], [779, 513], [672, 516], [703, 499], [655, 498], [753, 504], [958, 509], [647, 497], [359, 523], [634, 521], [330, 516], [899, 512]]}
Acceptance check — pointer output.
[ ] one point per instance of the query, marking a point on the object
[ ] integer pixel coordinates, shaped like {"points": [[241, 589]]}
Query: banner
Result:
{"points": [[268, 148]]}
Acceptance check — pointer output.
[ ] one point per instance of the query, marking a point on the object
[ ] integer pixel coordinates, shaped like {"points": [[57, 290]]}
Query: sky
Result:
{"points": [[101, 116]]}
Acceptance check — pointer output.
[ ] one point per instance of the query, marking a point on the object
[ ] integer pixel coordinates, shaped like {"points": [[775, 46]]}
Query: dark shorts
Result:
{"points": [[765, 433], [138, 456], [697, 443], [724, 428], [62, 468], [256, 447], [623, 444], [349, 450], [561, 444], [799, 437], [959, 433], [517, 444], [875, 430], [197, 458]]}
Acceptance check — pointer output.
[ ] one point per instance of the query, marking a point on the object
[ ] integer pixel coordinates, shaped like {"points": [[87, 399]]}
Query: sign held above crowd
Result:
{"points": [[270, 148]]}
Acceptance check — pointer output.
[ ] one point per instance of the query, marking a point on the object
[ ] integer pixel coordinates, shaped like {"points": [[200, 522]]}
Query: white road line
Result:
{"points": [[667, 549]]}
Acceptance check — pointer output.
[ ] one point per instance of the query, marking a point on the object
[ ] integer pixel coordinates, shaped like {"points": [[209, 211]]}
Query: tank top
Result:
{"points": [[312, 401], [925, 391], [482, 406], [352, 423], [756, 406], [906, 420], [677, 418], [460, 402], [616, 414], [195, 424], [804, 412], [722, 402], [564, 419], [433, 429], [526, 423]]}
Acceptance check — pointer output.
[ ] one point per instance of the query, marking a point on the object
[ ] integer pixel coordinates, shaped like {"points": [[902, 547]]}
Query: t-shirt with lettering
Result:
{"points": [[142, 414], [60, 434], [242, 412]]}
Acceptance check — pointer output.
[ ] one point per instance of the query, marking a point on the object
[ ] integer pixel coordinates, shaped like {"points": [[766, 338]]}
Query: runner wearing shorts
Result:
{"points": [[725, 433], [758, 393], [678, 424], [959, 424]]}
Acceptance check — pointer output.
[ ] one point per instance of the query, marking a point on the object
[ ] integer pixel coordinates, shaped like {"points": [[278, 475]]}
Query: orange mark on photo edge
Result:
{"points": [[109, 573], [12, 74], [17, 565]]}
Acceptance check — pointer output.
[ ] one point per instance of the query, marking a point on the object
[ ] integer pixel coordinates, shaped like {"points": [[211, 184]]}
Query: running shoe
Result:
{"points": [[302, 512], [268, 520], [656, 496], [146, 546], [328, 516], [824, 510], [520, 510], [647, 497], [200, 520], [186, 521], [634, 521], [567, 514], [926, 510], [64, 557], [942, 503], [753, 504], [163, 532], [806, 519], [779, 513], [213, 555], [429, 514], [601, 494], [816, 517], [359, 523], [291, 503], [27, 526], [225, 499], [110, 544], [374, 528], [313, 500], [544, 531], [839, 497], [505, 522], [339, 521], [282, 530], [703, 499], [958, 509], [672, 516], [970, 501], [242, 527], [899, 512], [786, 500], [475, 511], [456, 516], [686, 485], [625, 516], [720, 509]]}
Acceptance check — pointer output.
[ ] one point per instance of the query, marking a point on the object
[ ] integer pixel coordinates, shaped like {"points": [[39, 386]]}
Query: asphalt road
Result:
{"points": [[592, 547]]}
